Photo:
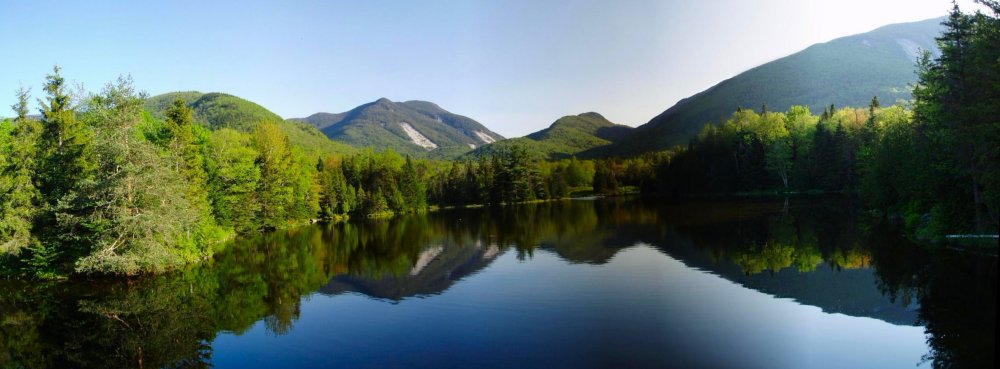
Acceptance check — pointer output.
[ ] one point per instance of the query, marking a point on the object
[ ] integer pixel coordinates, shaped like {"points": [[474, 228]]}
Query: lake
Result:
{"points": [[799, 283]]}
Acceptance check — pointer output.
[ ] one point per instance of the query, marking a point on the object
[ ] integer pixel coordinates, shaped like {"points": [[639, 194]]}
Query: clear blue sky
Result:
{"points": [[515, 66]]}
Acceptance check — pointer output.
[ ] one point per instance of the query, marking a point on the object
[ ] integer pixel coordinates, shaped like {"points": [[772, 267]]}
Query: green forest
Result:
{"points": [[932, 162], [105, 184]]}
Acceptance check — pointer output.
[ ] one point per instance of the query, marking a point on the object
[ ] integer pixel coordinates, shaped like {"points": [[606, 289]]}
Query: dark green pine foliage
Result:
{"points": [[134, 209], [957, 108], [514, 180], [65, 160], [65, 146], [411, 187], [187, 159], [605, 182]]}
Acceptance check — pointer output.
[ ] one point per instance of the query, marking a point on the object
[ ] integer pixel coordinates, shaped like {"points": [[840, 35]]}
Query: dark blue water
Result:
{"points": [[609, 283]]}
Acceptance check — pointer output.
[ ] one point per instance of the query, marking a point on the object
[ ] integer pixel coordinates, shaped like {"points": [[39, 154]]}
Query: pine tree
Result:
{"points": [[411, 187], [134, 208], [188, 161], [21, 107], [65, 147], [956, 107]]}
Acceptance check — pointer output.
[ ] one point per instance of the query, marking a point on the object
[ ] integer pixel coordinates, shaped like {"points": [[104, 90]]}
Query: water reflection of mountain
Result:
{"points": [[811, 251], [759, 245], [765, 246], [434, 271]]}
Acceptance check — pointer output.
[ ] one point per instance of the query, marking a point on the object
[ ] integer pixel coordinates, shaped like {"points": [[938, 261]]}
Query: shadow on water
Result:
{"points": [[817, 252]]}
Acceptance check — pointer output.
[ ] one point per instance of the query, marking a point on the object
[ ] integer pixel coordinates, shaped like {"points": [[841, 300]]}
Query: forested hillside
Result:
{"points": [[116, 183], [847, 71], [418, 128], [934, 166], [566, 137], [218, 110]]}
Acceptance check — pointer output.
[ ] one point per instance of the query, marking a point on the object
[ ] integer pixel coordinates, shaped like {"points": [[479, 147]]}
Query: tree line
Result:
{"points": [[96, 184], [932, 162]]}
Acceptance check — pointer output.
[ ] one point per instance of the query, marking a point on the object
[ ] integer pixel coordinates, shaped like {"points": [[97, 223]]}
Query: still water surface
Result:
{"points": [[807, 283]]}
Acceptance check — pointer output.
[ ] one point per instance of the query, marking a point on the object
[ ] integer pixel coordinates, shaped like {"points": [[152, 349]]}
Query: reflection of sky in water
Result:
{"points": [[643, 308]]}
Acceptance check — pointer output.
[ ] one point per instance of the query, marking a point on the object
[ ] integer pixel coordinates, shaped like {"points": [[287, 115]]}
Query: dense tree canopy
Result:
{"points": [[117, 183]]}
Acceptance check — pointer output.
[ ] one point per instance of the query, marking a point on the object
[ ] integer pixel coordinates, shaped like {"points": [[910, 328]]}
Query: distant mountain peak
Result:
{"points": [[414, 127]]}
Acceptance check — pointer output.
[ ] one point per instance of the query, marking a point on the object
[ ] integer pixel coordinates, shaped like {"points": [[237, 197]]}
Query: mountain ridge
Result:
{"points": [[846, 71], [416, 127], [216, 110]]}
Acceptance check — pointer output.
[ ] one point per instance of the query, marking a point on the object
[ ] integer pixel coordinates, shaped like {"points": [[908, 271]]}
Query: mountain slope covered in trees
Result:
{"points": [[418, 128], [218, 110], [846, 71], [566, 137]]}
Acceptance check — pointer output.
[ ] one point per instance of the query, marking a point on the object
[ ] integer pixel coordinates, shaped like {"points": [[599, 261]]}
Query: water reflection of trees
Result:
{"points": [[170, 320]]}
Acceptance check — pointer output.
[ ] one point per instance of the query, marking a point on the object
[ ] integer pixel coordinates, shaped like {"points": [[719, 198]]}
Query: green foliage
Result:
{"points": [[605, 179], [846, 71], [19, 198], [275, 161], [570, 135], [233, 180], [935, 166], [217, 110], [65, 142], [957, 128], [136, 214], [185, 152], [774, 151], [111, 188]]}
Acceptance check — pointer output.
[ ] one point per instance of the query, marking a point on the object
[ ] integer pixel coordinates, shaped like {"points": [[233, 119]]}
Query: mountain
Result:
{"points": [[218, 110], [434, 271], [567, 136], [413, 127], [847, 71]]}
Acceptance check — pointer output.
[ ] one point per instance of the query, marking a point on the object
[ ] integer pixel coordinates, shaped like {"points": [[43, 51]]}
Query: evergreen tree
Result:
{"points": [[411, 187], [20, 108], [65, 146], [956, 107], [65, 161], [136, 215], [187, 160]]}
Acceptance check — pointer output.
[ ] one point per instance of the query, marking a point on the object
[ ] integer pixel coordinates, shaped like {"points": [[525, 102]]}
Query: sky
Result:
{"points": [[515, 66]]}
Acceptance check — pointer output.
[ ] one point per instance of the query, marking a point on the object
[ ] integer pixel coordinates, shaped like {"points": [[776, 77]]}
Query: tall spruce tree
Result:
{"points": [[137, 214], [956, 110], [65, 146]]}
